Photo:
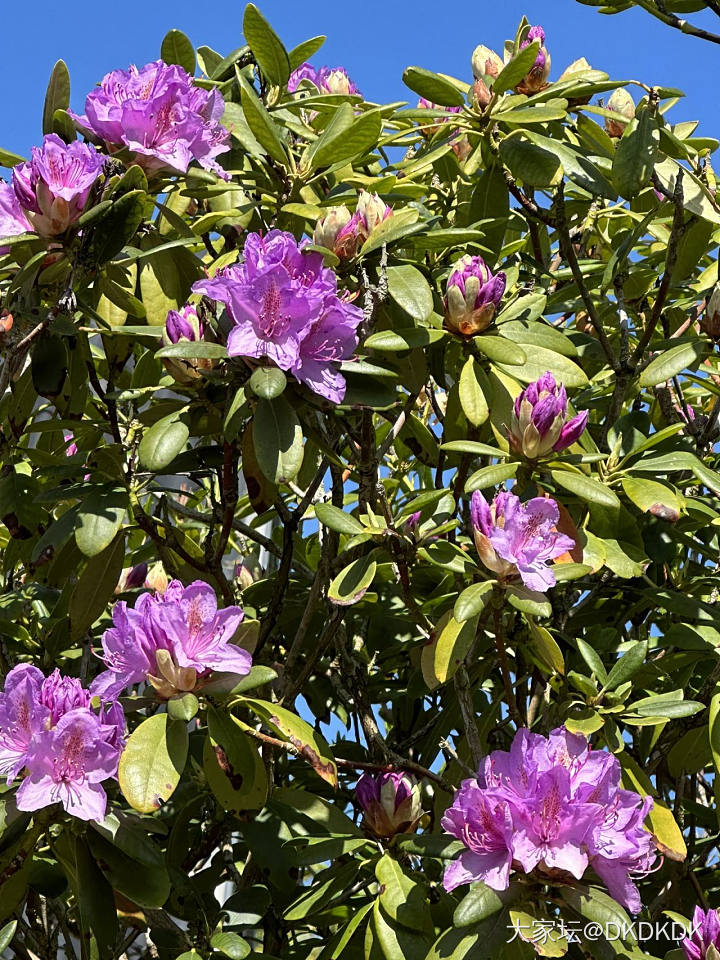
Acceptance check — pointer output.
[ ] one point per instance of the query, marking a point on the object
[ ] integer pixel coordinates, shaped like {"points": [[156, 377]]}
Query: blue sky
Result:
{"points": [[375, 39]]}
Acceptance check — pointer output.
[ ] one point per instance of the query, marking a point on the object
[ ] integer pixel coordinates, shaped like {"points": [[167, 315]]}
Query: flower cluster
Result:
{"points": [[171, 640], [539, 424], [554, 807], [325, 79], [49, 730], [390, 803], [704, 943], [160, 115], [515, 539], [48, 192], [285, 309], [472, 296], [345, 233]]}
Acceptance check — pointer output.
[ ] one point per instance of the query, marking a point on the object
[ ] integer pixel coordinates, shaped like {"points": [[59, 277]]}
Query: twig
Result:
{"points": [[467, 709]]}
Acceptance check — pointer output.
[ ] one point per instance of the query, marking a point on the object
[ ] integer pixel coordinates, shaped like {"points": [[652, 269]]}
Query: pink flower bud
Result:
{"points": [[472, 297], [390, 803]]}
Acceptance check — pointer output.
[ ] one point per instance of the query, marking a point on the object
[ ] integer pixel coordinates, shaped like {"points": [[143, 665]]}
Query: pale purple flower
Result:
{"points": [[160, 116], [53, 186], [71, 448], [49, 730], [552, 807], [325, 79], [705, 933], [285, 308], [515, 539], [170, 640], [472, 296], [390, 802], [539, 423], [68, 764], [13, 221]]}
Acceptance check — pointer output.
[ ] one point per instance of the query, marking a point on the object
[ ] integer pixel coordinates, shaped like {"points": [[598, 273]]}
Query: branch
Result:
{"points": [[684, 26]]}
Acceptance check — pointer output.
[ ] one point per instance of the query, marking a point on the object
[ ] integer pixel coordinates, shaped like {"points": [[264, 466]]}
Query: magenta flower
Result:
{"points": [[170, 640], [49, 730], [53, 187], [285, 309], [536, 79], [554, 808], [705, 933], [13, 221], [539, 422], [472, 296], [325, 79], [515, 539], [158, 114], [390, 803]]}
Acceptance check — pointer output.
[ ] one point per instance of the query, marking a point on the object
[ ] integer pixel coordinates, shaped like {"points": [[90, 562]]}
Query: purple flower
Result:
{"points": [[170, 640], [472, 296], [325, 79], [552, 807], [536, 79], [53, 186], [13, 221], [518, 539], [71, 448], [390, 803], [183, 325], [158, 114], [68, 765], [49, 729], [285, 309], [705, 933], [539, 423]]}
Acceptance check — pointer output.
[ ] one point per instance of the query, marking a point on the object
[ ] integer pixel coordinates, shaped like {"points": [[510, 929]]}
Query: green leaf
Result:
{"points": [[162, 443], [353, 582], [516, 69], [403, 899], [303, 51], [267, 48], [394, 341], [310, 745], [652, 497], [57, 96], [95, 587], [592, 659], [472, 601], [394, 941], [714, 732], [433, 87], [152, 762], [267, 382], [194, 349], [587, 488], [232, 763], [118, 226], [278, 439], [230, 945], [345, 137], [627, 665], [411, 291], [100, 516], [448, 645], [540, 360], [262, 125], [230, 684], [481, 902], [183, 708], [96, 904], [336, 519], [146, 885], [491, 476], [533, 165], [500, 350], [673, 361], [177, 48], [546, 648], [635, 155], [6, 934]]}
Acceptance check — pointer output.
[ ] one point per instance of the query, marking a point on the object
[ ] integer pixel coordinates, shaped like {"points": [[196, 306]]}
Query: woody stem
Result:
{"points": [[504, 667]]}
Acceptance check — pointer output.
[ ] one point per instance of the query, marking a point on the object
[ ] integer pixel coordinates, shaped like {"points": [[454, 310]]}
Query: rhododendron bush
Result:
{"points": [[359, 497]]}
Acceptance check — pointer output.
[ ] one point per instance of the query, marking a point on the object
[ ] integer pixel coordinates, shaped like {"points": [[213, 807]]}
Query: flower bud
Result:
{"points": [[157, 579], [710, 320], [184, 325], [328, 227], [338, 81], [536, 78], [372, 209], [132, 577], [243, 576], [539, 424], [486, 64], [577, 67], [428, 130], [481, 94], [171, 679], [472, 296], [620, 102], [390, 803]]}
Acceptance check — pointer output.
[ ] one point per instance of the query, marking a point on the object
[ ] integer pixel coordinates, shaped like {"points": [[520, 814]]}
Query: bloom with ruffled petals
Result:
{"points": [[704, 940], [551, 807], [515, 539], [472, 296], [22, 716], [170, 640], [13, 221], [158, 113], [285, 308], [539, 424], [53, 186], [390, 802]]}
